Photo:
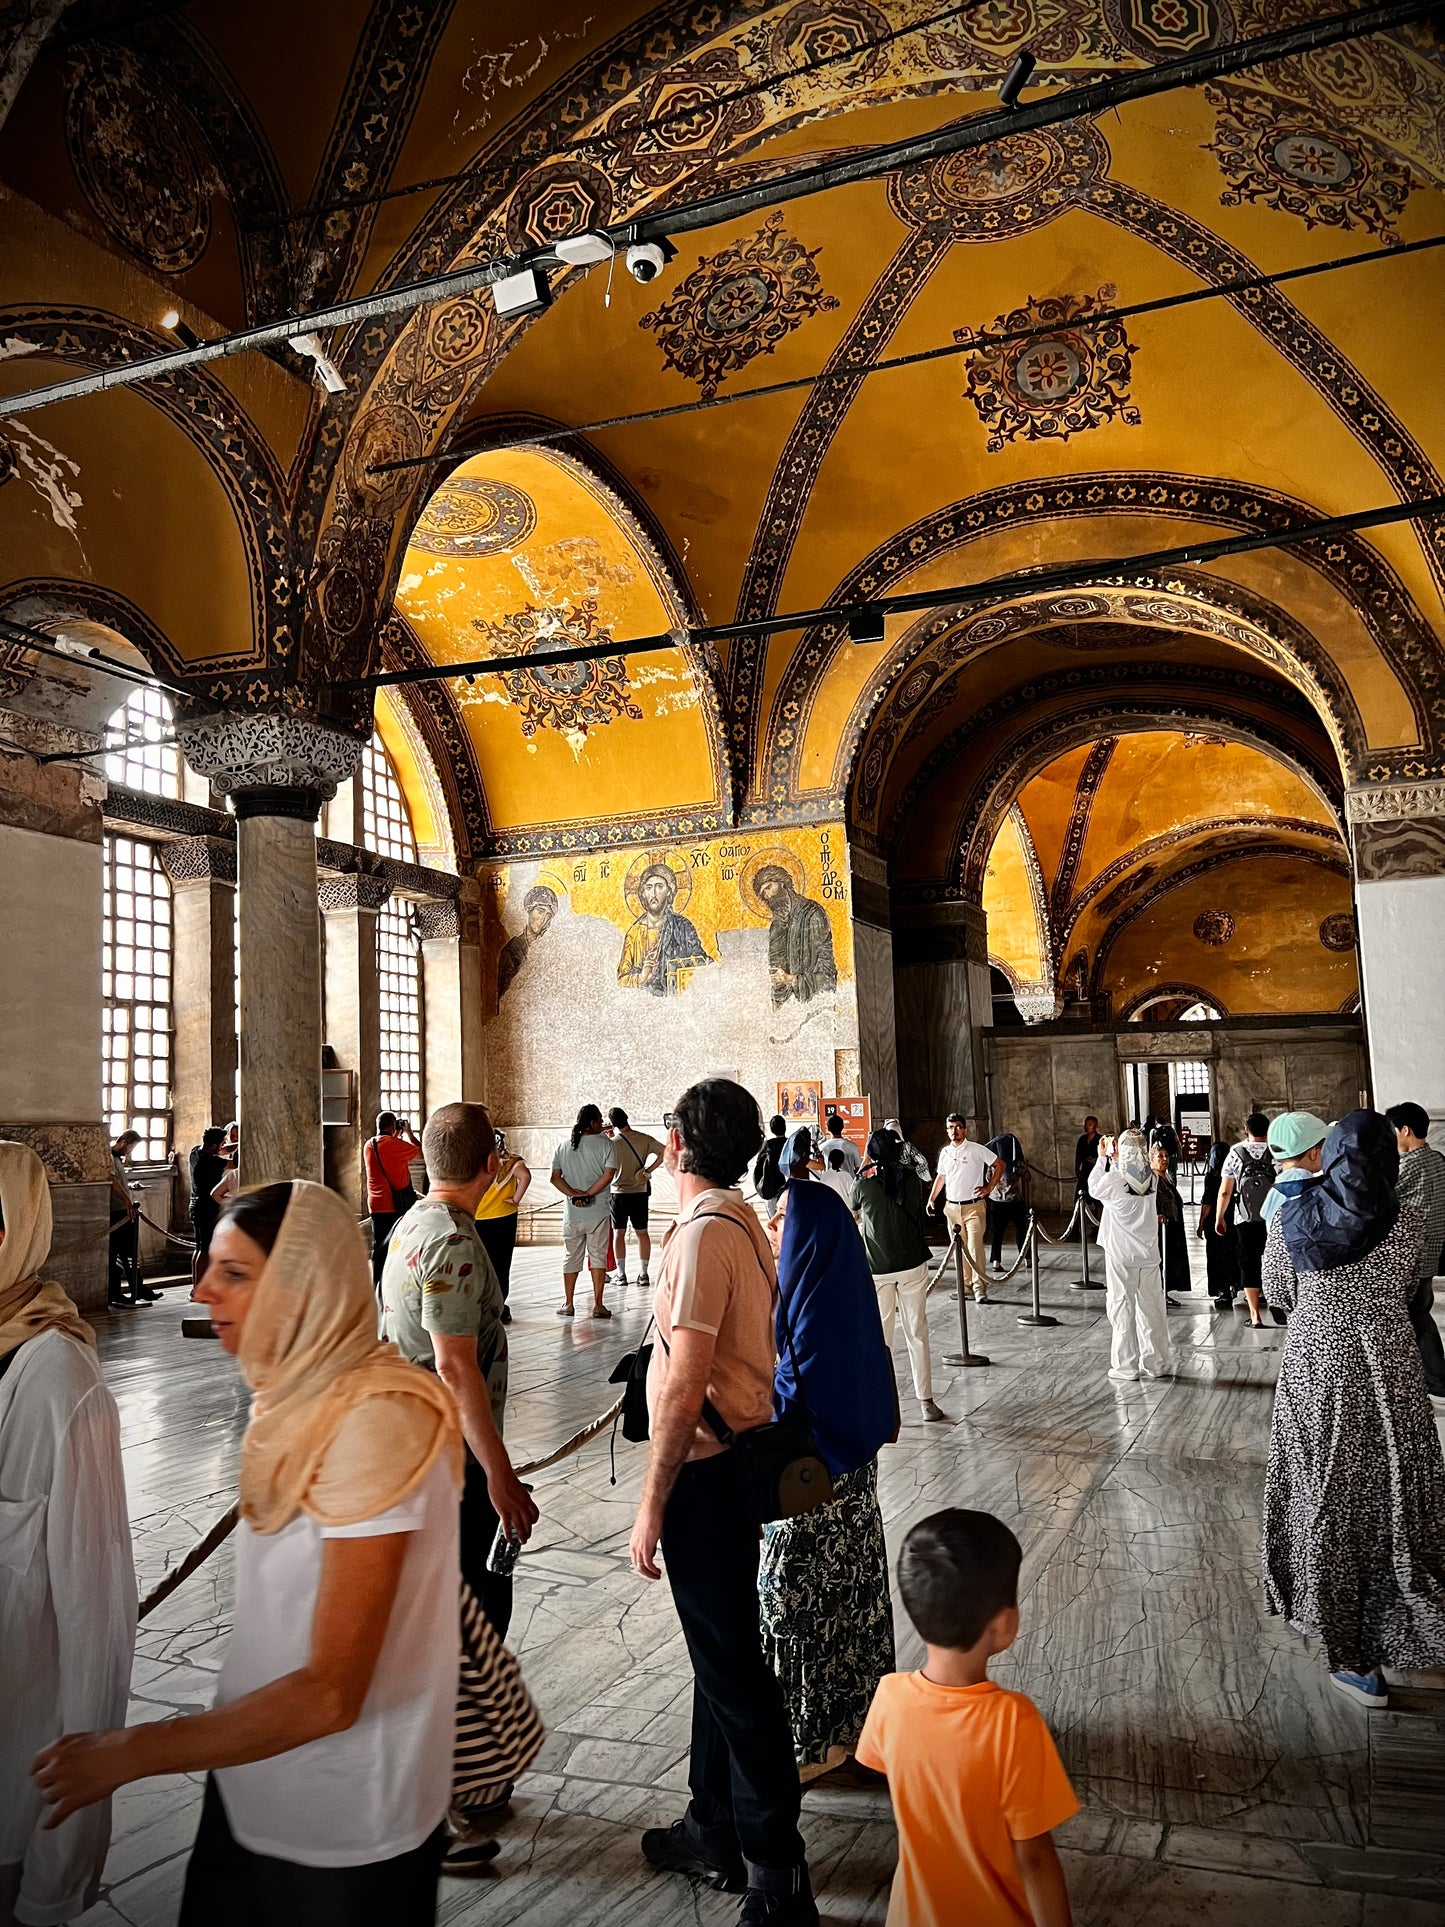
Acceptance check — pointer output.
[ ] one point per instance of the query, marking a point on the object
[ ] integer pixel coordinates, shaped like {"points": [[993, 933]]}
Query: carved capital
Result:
{"points": [[358, 891], [1038, 1003], [253, 756], [1397, 830], [434, 919], [199, 859]]}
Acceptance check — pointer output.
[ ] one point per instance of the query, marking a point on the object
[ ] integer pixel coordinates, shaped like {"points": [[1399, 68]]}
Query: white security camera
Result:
{"points": [[647, 259]]}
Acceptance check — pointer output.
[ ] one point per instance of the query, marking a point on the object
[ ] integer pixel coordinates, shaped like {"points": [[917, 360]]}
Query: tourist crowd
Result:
{"points": [[369, 1722]]}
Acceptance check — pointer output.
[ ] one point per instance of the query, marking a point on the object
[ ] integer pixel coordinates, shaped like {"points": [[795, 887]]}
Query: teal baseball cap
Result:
{"points": [[1293, 1133]]}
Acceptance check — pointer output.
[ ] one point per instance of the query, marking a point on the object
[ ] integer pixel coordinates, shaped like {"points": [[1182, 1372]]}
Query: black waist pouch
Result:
{"points": [[631, 1374], [778, 1464]]}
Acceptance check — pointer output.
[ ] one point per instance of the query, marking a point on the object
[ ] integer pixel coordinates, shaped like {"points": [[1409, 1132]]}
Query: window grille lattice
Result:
{"points": [[137, 752], [136, 995], [1191, 1080], [386, 828]]}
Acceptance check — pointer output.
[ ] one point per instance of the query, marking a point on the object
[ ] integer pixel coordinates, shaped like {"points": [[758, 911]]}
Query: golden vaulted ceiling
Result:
{"points": [[228, 523]]}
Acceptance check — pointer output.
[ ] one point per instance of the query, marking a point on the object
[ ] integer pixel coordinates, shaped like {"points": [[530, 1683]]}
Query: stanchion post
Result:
{"points": [[1086, 1283], [963, 1356], [1036, 1316]]}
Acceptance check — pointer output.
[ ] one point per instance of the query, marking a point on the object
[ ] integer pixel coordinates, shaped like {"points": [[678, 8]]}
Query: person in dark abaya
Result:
{"points": [[1354, 1495], [823, 1586], [1220, 1255], [1173, 1247]]}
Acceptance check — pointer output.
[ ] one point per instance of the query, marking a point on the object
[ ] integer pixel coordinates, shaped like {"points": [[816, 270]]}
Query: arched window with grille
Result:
{"points": [[386, 828], [137, 1021]]}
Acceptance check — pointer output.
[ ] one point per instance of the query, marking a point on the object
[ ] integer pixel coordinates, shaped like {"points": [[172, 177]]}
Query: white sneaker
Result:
{"points": [[643, 1279], [617, 1278], [980, 1297], [1123, 1378]]}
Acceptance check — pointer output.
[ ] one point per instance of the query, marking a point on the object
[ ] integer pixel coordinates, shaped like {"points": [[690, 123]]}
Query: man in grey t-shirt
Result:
{"points": [[583, 1167]]}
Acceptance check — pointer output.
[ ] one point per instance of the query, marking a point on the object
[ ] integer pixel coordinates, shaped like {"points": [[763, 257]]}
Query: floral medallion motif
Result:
{"points": [[1073, 378], [137, 156], [575, 696], [1338, 932], [1214, 927], [739, 304], [1166, 29], [470, 516], [687, 115], [1280, 155], [1006, 187], [848, 42]]}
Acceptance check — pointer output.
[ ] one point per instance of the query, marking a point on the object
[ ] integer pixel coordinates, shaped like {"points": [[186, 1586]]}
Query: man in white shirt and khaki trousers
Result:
{"points": [[967, 1172]]}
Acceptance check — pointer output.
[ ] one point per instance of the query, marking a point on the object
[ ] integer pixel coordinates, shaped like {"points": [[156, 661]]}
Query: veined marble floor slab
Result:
{"points": [[1222, 1780]]}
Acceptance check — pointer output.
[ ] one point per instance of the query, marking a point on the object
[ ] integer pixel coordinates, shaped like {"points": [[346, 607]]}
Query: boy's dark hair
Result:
{"points": [[956, 1572], [778, 1126], [1257, 1124], [1410, 1117], [835, 1124], [835, 1158], [721, 1129]]}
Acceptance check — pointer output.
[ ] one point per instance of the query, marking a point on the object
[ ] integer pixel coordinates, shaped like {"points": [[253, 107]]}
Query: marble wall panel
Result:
{"points": [[877, 1024], [1402, 939]]}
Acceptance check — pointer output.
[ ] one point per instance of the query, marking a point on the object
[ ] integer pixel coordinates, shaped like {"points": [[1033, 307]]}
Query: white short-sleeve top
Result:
{"points": [[382, 1786]]}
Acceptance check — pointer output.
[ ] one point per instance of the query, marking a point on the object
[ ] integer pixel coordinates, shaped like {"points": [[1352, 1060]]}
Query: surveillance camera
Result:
{"points": [[647, 259]]}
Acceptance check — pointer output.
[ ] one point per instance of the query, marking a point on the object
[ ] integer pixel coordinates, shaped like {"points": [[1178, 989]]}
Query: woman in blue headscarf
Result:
{"points": [[1354, 1497], [826, 1615]]}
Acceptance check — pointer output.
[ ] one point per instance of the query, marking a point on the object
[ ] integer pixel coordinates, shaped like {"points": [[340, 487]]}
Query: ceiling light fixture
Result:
{"points": [[525, 292], [327, 373], [866, 625], [173, 325], [1016, 79]]}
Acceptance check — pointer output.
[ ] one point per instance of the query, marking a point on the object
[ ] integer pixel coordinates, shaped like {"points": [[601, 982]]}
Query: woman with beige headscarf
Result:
{"points": [[67, 1584], [329, 1748]]}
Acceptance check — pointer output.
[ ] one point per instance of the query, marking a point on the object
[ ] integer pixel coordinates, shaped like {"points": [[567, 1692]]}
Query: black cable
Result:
{"points": [[16, 637], [1243, 285], [604, 140], [1069, 576]]}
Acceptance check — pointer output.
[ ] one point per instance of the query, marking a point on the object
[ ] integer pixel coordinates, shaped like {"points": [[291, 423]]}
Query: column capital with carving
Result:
{"points": [[199, 859], [269, 765], [1397, 830], [360, 890]]}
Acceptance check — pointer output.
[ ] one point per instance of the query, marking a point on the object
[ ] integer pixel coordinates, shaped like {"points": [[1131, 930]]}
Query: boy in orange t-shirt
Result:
{"points": [[976, 1782]]}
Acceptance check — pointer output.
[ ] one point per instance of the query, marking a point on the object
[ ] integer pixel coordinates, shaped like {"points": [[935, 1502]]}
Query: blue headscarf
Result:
{"points": [[832, 1311], [1352, 1207], [799, 1149]]}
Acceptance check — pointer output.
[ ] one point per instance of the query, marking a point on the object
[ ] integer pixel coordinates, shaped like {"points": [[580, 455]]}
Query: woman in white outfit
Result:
{"points": [[1124, 1184], [328, 1753], [67, 1584]]}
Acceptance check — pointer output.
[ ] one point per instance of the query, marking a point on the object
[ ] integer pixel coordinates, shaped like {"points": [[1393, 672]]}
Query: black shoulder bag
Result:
{"points": [[781, 1471]]}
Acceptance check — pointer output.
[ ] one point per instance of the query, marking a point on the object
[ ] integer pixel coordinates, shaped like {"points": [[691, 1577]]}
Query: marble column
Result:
{"points": [[944, 1003], [277, 770], [202, 873], [873, 977], [451, 961], [1397, 836], [353, 1018], [50, 986]]}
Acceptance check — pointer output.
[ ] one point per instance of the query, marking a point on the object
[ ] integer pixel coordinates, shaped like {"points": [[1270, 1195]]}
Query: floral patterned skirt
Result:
{"points": [[827, 1617]]}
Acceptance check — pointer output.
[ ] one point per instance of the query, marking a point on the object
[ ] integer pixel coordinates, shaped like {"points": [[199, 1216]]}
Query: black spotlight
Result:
{"points": [[866, 625], [1017, 78]]}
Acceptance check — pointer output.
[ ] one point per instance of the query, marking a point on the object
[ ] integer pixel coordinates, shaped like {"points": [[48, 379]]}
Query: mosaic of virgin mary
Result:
{"points": [[661, 948]]}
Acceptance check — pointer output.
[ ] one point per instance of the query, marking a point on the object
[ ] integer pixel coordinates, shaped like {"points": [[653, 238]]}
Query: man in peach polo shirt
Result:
{"points": [[715, 1357]]}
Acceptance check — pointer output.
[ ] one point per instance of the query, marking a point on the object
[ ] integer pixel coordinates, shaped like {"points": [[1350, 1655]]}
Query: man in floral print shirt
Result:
{"points": [[441, 1306]]}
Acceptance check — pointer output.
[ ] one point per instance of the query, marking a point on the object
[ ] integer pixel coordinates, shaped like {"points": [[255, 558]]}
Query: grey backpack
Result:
{"points": [[1255, 1186]]}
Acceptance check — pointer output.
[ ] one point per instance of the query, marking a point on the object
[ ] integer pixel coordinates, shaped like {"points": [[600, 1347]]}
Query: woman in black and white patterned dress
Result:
{"points": [[1354, 1498]]}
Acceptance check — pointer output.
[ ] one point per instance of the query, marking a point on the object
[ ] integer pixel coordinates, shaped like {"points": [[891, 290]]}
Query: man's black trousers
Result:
{"points": [[743, 1776]]}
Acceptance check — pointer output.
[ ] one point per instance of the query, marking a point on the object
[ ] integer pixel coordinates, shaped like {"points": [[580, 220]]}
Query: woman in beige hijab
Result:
{"points": [[329, 1748], [67, 1584]]}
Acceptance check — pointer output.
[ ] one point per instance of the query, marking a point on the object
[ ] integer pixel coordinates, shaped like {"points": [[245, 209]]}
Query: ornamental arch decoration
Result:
{"points": [[994, 789], [1356, 571]]}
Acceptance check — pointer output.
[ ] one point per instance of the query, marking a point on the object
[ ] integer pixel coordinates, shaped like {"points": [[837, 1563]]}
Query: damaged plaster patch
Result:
{"points": [[46, 469], [13, 345], [491, 72]]}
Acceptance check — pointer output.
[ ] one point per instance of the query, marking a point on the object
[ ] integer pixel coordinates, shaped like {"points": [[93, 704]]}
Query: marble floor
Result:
{"points": [[1221, 1778]]}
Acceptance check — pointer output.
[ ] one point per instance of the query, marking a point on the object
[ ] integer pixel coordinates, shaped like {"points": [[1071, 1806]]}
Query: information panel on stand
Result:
{"points": [[857, 1116]]}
